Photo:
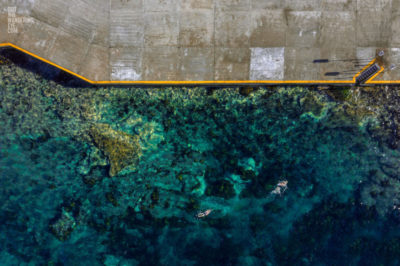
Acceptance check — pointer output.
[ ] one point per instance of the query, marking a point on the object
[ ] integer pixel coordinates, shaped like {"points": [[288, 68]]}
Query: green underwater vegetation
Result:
{"points": [[120, 175]]}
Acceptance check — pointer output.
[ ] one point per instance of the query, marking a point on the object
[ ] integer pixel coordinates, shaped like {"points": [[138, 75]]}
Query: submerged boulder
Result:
{"points": [[63, 226], [121, 149]]}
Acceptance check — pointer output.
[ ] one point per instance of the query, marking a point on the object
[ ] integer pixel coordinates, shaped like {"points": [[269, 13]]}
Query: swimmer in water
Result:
{"points": [[204, 214], [280, 188]]}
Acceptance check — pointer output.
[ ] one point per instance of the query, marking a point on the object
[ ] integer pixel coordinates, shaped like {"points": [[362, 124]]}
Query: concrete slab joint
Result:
{"points": [[210, 41]]}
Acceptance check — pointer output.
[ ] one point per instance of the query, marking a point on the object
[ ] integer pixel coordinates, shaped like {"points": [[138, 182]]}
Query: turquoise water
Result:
{"points": [[119, 175]]}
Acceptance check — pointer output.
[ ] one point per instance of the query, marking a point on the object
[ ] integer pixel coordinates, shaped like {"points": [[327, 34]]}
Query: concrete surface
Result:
{"points": [[206, 40]]}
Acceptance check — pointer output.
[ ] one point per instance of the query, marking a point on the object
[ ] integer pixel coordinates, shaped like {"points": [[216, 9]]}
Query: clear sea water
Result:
{"points": [[121, 175]]}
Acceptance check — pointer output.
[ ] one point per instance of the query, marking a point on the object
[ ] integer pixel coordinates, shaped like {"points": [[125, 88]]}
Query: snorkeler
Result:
{"points": [[204, 214], [280, 188]]}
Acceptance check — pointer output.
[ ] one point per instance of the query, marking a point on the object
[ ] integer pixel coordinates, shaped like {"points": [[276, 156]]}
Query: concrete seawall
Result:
{"points": [[207, 41]]}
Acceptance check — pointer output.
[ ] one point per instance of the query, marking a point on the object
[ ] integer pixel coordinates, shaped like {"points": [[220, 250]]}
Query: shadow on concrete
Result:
{"points": [[65, 79], [43, 69]]}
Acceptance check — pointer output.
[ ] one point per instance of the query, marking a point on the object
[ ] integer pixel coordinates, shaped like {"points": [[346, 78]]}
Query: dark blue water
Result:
{"points": [[122, 176]]}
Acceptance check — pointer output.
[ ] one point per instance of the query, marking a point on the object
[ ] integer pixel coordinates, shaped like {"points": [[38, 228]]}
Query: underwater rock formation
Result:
{"points": [[182, 151], [121, 149], [63, 227]]}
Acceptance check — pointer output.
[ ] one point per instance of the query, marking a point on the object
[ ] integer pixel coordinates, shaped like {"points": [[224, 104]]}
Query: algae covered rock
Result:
{"points": [[121, 149], [63, 226], [245, 91]]}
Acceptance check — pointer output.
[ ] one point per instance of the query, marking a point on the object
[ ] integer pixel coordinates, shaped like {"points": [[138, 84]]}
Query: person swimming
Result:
{"points": [[204, 213], [280, 188]]}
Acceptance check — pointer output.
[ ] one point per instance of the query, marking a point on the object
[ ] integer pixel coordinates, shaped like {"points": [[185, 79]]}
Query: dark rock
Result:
{"points": [[245, 91], [63, 226], [221, 188]]}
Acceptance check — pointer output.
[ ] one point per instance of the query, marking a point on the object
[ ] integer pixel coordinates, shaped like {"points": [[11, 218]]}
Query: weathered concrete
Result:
{"points": [[206, 40]]}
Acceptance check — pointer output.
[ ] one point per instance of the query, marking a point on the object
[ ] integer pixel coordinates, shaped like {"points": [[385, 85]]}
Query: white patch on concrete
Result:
{"points": [[41, 43], [23, 7], [392, 72], [307, 15], [267, 63], [124, 73], [394, 56], [365, 53]]}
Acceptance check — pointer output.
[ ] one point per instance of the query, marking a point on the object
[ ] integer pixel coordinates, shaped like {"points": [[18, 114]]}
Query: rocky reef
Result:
{"points": [[121, 149], [190, 176]]}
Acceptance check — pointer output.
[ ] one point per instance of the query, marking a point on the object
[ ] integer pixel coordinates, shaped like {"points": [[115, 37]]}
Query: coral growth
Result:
{"points": [[187, 153], [63, 226], [121, 148]]}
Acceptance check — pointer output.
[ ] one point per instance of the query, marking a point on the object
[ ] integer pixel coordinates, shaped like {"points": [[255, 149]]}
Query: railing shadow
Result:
{"points": [[41, 68]]}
